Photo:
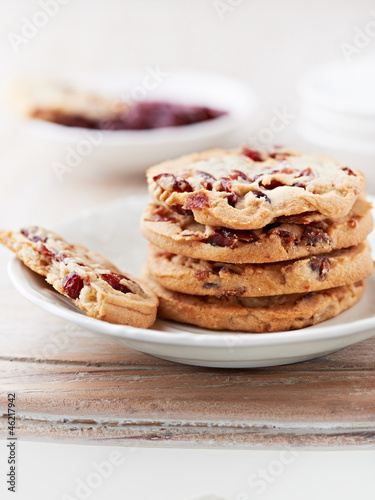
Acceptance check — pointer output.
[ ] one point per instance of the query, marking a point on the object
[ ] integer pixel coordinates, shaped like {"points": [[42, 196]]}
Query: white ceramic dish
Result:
{"points": [[112, 229], [337, 112], [118, 152]]}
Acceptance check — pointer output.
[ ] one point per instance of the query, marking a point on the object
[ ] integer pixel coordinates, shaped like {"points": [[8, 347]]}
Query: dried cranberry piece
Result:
{"points": [[208, 285], [349, 171], [245, 235], [201, 275], [44, 251], [321, 266], [171, 182], [287, 238], [208, 180], [259, 176], [296, 219], [114, 279], [183, 186], [216, 268], [223, 237], [232, 199], [161, 218], [179, 210], [219, 239], [197, 200], [278, 156], [278, 153], [253, 154], [34, 239], [259, 194], [72, 284], [237, 174], [271, 185], [286, 170], [226, 184], [60, 257], [313, 236], [161, 215], [306, 173]]}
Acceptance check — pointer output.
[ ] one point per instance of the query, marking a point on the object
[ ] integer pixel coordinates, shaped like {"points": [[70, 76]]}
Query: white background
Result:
{"points": [[268, 43], [55, 471]]}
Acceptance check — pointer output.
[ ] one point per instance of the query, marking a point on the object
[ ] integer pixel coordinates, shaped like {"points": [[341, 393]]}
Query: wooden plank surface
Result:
{"points": [[74, 385]]}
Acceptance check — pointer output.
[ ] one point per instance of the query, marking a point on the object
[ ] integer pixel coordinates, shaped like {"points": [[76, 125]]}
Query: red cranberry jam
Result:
{"points": [[145, 115]]}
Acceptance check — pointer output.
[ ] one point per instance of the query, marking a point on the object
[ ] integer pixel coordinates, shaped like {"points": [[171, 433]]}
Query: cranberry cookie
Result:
{"points": [[243, 189], [180, 234], [94, 284], [202, 277], [256, 314]]}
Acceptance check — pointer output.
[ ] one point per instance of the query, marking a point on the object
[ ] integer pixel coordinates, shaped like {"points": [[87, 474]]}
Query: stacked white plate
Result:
{"points": [[337, 112]]}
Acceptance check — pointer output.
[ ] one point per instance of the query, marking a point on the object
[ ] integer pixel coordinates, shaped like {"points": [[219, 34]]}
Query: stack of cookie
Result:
{"points": [[254, 241]]}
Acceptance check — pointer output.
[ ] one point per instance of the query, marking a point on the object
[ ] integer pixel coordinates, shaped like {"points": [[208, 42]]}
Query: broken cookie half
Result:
{"points": [[93, 283]]}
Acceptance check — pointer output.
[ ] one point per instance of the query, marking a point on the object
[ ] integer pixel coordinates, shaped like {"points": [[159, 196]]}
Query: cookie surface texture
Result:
{"points": [[180, 234], [229, 188], [200, 277], [256, 314]]}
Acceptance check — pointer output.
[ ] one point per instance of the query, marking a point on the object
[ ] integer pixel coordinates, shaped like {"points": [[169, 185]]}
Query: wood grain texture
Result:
{"points": [[72, 385], [76, 386]]}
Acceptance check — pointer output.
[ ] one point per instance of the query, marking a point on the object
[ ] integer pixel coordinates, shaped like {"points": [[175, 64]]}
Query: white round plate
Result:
{"points": [[113, 230], [116, 152]]}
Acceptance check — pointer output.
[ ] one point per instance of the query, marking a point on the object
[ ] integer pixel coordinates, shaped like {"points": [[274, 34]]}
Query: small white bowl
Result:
{"points": [[105, 152], [337, 112]]}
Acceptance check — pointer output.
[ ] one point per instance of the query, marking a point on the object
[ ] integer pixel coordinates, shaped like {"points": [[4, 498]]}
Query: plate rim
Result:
{"points": [[217, 339]]}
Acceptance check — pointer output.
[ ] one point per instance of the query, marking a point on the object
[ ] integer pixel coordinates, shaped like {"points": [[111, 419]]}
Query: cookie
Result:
{"points": [[180, 234], [58, 103], [201, 277], [94, 284], [239, 190], [256, 314]]}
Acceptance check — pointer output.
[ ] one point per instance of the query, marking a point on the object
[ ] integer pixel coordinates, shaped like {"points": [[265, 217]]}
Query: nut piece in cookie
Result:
{"points": [[94, 284]]}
